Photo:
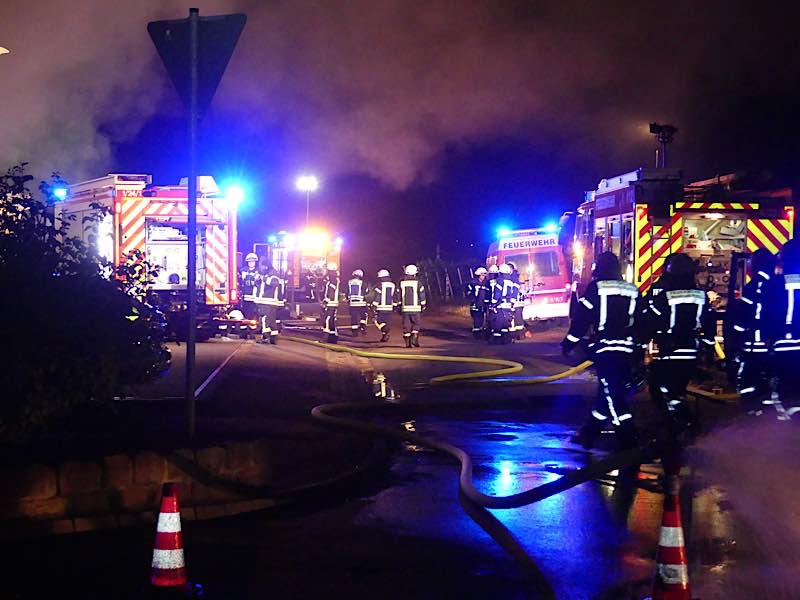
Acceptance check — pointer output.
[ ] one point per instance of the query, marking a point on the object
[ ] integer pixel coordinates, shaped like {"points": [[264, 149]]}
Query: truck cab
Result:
{"points": [[540, 257]]}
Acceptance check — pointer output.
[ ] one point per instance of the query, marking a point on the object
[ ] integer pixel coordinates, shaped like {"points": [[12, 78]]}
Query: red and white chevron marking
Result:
{"points": [[133, 216]]}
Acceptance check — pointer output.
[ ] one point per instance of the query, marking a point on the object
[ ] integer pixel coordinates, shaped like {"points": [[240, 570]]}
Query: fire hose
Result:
{"points": [[474, 502]]}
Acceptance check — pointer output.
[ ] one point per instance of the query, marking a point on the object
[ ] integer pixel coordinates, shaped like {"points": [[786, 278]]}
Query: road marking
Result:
{"points": [[216, 372]]}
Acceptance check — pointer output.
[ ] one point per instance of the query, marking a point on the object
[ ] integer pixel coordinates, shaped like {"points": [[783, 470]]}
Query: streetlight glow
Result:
{"points": [[60, 192], [307, 183]]}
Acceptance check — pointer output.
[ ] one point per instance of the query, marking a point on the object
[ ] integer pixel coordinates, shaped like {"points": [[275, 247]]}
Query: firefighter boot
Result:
{"points": [[477, 334], [415, 340], [332, 338], [407, 339], [385, 336], [273, 339]]}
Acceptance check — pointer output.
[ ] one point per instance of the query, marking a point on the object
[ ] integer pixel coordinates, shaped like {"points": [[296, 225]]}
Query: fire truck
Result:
{"points": [[647, 214], [153, 220], [540, 256], [301, 259]]}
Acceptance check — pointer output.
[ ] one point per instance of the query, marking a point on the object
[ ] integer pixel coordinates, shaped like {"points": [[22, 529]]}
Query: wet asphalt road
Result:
{"points": [[403, 534]]}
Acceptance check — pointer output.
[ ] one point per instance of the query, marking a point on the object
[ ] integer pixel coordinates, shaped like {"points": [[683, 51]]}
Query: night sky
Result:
{"points": [[428, 122]]}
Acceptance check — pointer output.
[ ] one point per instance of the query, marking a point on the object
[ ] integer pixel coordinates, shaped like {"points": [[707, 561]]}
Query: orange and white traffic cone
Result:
{"points": [[672, 568], [168, 570]]}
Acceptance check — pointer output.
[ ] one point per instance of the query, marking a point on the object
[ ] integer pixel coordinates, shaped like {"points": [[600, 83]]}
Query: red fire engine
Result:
{"points": [[645, 215], [153, 220]]}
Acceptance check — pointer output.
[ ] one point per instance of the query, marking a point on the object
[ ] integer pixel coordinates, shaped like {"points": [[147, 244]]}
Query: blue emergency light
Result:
{"points": [[234, 193]]}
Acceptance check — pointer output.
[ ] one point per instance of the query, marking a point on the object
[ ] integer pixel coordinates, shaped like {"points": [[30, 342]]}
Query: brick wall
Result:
{"points": [[125, 489]]}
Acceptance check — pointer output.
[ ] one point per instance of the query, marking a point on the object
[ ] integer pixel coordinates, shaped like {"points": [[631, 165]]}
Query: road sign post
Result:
{"points": [[191, 283], [195, 52]]}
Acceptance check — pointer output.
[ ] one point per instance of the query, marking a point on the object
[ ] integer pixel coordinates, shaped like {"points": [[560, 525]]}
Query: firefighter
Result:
{"points": [[502, 306], [357, 303], [384, 302], [610, 306], [478, 294], [412, 303], [683, 326], [248, 279], [786, 349], [755, 325], [517, 321], [330, 303], [268, 300], [491, 313], [283, 312]]}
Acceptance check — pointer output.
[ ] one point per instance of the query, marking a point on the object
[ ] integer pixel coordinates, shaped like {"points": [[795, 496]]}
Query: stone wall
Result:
{"points": [[124, 489]]}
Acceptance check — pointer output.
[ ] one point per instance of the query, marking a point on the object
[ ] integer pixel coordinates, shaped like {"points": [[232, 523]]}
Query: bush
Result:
{"points": [[73, 334]]}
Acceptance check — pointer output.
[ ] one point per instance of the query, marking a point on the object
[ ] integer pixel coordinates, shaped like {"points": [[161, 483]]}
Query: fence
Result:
{"points": [[445, 282]]}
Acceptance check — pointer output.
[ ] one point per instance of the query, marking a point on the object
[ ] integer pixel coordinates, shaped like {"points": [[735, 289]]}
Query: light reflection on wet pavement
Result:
{"points": [[592, 541], [597, 540]]}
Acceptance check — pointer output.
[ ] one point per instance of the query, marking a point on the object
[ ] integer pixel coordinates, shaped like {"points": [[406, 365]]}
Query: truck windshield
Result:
{"points": [[538, 264], [545, 264]]}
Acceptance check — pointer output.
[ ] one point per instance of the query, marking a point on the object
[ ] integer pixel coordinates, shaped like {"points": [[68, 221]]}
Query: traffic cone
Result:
{"points": [[672, 568], [168, 570]]}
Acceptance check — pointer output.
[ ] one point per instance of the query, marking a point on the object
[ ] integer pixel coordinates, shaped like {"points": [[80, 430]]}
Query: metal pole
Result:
{"points": [[194, 17]]}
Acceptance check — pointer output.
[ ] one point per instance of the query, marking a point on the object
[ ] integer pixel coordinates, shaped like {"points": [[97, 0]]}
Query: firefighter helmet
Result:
{"points": [[480, 271], [505, 269], [512, 265], [332, 266], [358, 273], [251, 256], [383, 273], [494, 269], [411, 270]]}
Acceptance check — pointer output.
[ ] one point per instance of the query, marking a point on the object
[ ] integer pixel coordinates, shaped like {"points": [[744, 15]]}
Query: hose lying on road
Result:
{"points": [[333, 414], [478, 378], [474, 502]]}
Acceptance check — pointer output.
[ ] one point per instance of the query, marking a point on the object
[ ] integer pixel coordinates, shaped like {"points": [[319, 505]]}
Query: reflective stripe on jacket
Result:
{"points": [[412, 296], [385, 297], [355, 292], [269, 291]]}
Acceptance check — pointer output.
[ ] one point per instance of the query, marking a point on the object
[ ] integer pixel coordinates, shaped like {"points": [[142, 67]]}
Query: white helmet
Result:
{"points": [[494, 269], [358, 273], [332, 266], [480, 271], [383, 273], [512, 265], [251, 256], [505, 269], [411, 270]]}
